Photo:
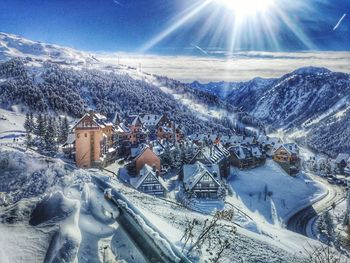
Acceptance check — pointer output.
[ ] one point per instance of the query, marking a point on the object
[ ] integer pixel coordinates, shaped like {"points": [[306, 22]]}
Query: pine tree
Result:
{"points": [[27, 124], [40, 126], [29, 139], [63, 131], [167, 156], [49, 137]]}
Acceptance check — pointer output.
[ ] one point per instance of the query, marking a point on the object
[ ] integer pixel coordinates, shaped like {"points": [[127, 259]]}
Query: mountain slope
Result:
{"points": [[55, 79], [311, 104]]}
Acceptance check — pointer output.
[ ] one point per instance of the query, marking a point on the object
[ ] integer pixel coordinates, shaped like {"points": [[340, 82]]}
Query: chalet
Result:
{"points": [[204, 139], [149, 182], [269, 144], [171, 132], [287, 156], [151, 121], [143, 155], [214, 154], [245, 157], [129, 133], [93, 140], [342, 162], [202, 181]]}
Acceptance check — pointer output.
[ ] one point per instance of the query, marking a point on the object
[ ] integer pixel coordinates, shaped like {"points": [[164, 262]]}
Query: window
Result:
{"points": [[78, 135], [85, 135], [206, 177]]}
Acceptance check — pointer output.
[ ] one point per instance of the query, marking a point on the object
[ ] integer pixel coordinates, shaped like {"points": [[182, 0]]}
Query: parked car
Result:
{"points": [[331, 180]]}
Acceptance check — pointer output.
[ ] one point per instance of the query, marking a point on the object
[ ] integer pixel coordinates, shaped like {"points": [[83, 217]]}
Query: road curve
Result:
{"points": [[299, 221]]}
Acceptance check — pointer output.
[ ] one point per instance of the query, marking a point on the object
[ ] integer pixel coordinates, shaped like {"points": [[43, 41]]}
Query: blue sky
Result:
{"points": [[130, 25]]}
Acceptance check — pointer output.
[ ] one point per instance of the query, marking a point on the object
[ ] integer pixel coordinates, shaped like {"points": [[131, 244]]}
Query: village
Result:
{"points": [[153, 155]]}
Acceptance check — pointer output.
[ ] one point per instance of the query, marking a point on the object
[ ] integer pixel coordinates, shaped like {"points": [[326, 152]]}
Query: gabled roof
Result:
{"points": [[213, 154], [193, 173], [241, 152], [140, 150], [133, 119], [96, 118], [150, 119], [145, 172], [291, 148], [341, 157]]}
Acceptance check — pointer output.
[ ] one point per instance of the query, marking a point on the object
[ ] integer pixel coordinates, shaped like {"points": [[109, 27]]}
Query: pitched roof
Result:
{"points": [[150, 119], [341, 157], [70, 139], [241, 152], [146, 171], [291, 148], [98, 119], [193, 173]]}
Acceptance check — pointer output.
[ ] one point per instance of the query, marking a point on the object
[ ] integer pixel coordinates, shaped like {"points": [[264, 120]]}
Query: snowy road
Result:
{"points": [[301, 221]]}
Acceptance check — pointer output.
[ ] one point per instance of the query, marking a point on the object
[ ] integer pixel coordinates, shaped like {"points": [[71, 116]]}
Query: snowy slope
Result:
{"points": [[312, 103], [16, 46]]}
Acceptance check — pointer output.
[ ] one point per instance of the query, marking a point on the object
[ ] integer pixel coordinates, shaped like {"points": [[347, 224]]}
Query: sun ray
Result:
{"points": [[192, 12], [237, 25]]}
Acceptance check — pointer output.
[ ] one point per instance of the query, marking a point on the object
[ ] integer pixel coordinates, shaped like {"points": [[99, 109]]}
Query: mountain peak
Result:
{"points": [[311, 70], [12, 46]]}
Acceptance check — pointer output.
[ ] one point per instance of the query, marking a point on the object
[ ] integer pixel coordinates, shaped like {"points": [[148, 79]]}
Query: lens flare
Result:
{"points": [[246, 8]]}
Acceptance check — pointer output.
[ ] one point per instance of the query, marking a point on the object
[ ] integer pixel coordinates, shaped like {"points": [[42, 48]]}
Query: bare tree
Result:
{"points": [[324, 254], [210, 233]]}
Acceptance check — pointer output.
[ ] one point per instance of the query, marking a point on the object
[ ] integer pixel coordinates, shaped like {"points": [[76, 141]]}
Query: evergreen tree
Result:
{"points": [[167, 157], [40, 127], [29, 139], [49, 137], [63, 131], [28, 123]]}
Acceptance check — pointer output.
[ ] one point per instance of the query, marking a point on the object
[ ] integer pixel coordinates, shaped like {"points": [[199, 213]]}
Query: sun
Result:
{"points": [[244, 8]]}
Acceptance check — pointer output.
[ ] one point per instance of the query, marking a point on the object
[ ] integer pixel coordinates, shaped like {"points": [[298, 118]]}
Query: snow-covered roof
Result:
{"points": [[123, 128], [150, 119], [97, 118], [214, 153], [342, 157], [144, 173], [292, 148], [70, 139], [194, 172], [241, 152]]}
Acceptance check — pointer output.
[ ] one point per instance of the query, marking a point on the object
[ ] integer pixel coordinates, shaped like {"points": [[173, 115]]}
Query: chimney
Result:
{"points": [[154, 168]]}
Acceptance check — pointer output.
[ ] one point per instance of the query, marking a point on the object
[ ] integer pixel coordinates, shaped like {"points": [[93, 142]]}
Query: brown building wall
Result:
{"points": [[147, 157], [84, 147]]}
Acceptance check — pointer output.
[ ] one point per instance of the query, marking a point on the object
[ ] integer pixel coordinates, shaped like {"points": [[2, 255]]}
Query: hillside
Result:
{"points": [[41, 77], [311, 104]]}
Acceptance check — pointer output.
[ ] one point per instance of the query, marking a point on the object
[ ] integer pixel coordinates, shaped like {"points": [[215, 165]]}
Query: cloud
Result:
{"points": [[339, 22], [239, 67]]}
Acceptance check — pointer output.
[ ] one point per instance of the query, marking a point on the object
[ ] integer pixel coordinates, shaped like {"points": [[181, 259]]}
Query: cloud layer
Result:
{"points": [[239, 67]]}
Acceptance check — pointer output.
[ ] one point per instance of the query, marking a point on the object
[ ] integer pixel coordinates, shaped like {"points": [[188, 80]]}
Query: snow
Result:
{"points": [[288, 193]]}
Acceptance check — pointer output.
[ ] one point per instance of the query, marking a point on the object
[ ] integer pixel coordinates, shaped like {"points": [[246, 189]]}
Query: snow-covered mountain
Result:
{"points": [[311, 103], [42, 77], [16, 46]]}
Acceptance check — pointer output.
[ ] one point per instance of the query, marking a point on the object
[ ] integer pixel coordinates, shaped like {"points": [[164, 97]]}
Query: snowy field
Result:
{"points": [[271, 194], [73, 220], [11, 122]]}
